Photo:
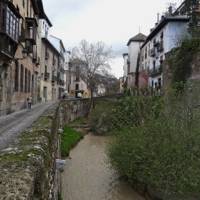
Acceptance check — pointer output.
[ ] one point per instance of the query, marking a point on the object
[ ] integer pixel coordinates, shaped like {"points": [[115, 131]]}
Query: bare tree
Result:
{"points": [[96, 57]]}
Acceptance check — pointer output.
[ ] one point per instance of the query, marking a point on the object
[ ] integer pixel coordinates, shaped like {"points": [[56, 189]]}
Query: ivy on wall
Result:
{"points": [[180, 60]]}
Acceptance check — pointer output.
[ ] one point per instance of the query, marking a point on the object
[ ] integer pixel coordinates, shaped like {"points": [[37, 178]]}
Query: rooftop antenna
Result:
{"points": [[171, 7], [158, 17]]}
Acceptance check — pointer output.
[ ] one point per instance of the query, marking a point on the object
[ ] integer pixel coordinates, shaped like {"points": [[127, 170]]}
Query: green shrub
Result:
{"points": [[69, 139], [135, 110], [60, 196], [163, 152], [100, 118], [180, 60], [78, 122], [128, 111]]}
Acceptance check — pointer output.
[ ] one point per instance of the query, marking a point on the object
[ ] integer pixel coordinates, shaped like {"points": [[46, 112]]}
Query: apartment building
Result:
{"points": [[166, 35], [31, 61], [19, 61], [59, 46]]}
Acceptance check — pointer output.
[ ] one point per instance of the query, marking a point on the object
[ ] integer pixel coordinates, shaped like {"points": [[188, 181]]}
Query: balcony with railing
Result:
{"points": [[54, 78], [161, 46], [31, 29], [156, 71], [46, 76], [9, 28], [153, 52]]}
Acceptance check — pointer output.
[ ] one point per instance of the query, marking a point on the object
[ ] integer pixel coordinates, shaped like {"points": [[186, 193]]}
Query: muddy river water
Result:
{"points": [[88, 176]]}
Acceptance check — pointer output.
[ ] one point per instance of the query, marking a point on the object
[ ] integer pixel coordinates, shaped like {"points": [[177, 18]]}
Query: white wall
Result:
{"points": [[173, 34], [133, 50], [44, 28], [125, 67]]}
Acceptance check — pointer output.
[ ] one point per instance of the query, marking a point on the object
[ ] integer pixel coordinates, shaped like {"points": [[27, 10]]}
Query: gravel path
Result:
{"points": [[12, 125]]}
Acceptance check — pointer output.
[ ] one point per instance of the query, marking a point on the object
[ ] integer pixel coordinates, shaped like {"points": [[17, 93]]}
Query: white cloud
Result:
{"points": [[111, 21]]}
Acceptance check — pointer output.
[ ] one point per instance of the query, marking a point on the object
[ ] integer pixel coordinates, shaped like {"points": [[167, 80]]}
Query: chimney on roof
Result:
{"points": [[170, 10], [158, 17]]}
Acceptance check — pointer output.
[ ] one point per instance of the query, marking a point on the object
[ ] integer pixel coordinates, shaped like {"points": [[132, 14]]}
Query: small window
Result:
{"points": [[16, 77], [159, 83], [29, 81], [77, 86], [23, 3], [45, 69], [22, 79], [26, 80], [162, 35], [154, 65]]}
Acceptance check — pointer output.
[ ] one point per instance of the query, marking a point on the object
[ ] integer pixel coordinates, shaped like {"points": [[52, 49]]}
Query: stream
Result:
{"points": [[88, 175]]}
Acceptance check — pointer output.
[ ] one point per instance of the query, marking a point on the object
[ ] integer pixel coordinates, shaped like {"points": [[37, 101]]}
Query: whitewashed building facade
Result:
{"points": [[166, 35], [134, 44]]}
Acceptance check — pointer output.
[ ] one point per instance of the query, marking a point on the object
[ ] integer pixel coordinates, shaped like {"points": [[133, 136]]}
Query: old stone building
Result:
{"points": [[19, 61], [52, 70], [61, 82], [31, 62]]}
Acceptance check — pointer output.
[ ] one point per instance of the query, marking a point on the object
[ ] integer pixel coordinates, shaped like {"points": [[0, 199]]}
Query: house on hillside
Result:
{"points": [[166, 35]]}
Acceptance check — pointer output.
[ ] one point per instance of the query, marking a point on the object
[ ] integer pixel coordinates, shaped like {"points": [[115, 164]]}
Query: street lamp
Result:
{"points": [[24, 55]]}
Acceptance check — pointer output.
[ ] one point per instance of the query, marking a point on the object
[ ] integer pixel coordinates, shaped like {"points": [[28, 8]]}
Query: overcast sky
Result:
{"points": [[110, 21]]}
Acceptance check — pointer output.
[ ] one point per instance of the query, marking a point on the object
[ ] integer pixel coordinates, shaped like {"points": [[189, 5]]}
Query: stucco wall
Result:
{"points": [[125, 66], [134, 49]]}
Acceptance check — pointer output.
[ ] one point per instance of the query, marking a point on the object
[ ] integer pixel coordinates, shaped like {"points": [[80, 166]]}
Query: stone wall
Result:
{"points": [[72, 109], [28, 167]]}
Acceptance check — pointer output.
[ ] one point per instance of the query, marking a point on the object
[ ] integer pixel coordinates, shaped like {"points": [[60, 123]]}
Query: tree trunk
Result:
{"points": [[91, 102]]}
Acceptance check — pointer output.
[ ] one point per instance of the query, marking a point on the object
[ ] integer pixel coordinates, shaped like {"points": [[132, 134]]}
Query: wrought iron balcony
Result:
{"points": [[161, 47], [31, 29], [54, 78], [156, 71], [46, 76], [153, 52]]}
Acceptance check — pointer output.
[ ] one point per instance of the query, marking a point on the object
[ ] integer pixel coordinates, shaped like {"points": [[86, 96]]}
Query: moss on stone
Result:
{"points": [[31, 154]]}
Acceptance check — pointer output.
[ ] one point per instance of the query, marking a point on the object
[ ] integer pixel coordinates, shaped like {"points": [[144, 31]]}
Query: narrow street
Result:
{"points": [[88, 176], [12, 125]]}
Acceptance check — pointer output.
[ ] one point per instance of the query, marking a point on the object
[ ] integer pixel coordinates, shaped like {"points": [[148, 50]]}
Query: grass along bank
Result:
{"points": [[69, 139]]}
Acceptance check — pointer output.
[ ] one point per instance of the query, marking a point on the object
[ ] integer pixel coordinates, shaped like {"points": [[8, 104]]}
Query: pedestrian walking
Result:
{"points": [[29, 101]]}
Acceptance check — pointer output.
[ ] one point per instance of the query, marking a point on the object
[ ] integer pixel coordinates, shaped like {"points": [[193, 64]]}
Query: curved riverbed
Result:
{"points": [[87, 174]]}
